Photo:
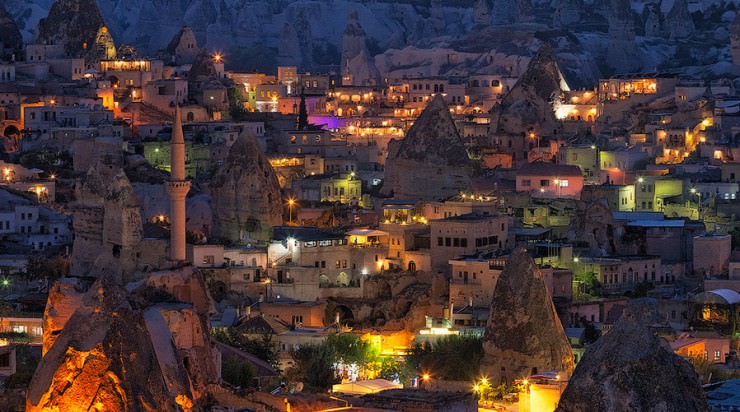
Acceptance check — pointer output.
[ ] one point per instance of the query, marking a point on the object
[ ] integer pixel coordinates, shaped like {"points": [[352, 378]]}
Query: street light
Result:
{"points": [[291, 202]]}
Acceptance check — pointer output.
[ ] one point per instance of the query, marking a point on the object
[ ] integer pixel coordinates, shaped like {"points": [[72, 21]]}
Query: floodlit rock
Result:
{"points": [[142, 347], [73, 23], [431, 161], [246, 194], [524, 335], [104, 360], [632, 369]]}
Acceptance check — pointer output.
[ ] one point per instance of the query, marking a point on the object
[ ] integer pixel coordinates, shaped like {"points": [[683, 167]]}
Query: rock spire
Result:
{"points": [[524, 335], [431, 162], [630, 368]]}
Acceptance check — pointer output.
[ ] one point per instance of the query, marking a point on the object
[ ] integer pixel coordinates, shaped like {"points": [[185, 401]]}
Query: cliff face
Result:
{"points": [[245, 194], [632, 369], [107, 224], [431, 161], [144, 347], [104, 360], [73, 23], [524, 335]]}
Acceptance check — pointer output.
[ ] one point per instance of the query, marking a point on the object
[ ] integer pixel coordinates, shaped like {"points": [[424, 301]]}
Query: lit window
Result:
{"points": [[563, 183]]}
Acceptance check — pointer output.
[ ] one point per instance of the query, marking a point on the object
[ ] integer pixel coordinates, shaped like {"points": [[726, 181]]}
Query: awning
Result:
{"points": [[367, 232], [365, 387]]}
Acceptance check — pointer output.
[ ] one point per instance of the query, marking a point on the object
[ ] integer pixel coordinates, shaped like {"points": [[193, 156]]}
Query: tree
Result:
{"points": [[302, 113], [314, 366], [455, 357], [261, 346], [237, 373]]}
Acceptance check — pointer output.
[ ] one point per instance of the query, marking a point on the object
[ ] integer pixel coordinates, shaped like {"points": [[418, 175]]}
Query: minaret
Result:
{"points": [[177, 188]]}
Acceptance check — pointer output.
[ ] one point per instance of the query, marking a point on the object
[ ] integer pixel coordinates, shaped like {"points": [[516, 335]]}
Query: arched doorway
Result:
{"points": [[343, 314], [412, 266]]}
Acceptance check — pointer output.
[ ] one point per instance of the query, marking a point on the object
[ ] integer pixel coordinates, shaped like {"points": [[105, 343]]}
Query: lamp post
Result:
{"points": [[291, 202]]}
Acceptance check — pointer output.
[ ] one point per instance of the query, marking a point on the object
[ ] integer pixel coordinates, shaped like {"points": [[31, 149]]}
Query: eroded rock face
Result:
{"points": [[622, 49], [528, 107], [107, 224], [524, 335], [678, 21], [356, 59], [142, 347], [431, 161], [735, 40], [10, 36], [246, 194], [183, 48], [104, 360], [632, 369], [73, 23]]}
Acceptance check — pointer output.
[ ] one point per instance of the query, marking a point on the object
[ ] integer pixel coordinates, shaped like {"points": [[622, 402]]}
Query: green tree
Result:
{"points": [[261, 346], [237, 373], [314, 366], [455, 357]]}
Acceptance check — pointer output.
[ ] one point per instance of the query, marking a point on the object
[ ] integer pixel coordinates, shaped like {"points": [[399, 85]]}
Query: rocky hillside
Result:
{"points": [[255, 28]]}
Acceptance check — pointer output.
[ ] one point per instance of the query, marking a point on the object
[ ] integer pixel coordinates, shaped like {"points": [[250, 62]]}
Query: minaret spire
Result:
{"points": [[178, 188]]}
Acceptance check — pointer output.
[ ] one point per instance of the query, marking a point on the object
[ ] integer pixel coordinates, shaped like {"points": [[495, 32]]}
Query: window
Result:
{"points": [[563, 183], [464, 242], [456, 242], [526, 183], [717, 355], [448, 242], [545, 182]]}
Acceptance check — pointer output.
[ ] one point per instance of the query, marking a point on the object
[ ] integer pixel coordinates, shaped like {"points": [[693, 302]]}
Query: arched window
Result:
{"points": [[412, 266]]}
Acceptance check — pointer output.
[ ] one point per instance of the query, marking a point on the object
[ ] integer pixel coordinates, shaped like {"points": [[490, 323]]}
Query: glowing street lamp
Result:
{"points": [[291, 203], [217, 57]]}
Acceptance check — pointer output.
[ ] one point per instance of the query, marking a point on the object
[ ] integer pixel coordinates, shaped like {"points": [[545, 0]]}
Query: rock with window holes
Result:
{"points": [[524, 335], [245, 194], [632, 369], [431, 162]]}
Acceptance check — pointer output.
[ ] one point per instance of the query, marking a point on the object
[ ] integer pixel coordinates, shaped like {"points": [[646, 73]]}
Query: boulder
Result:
{"points": [[632, 369], [524, 335]]}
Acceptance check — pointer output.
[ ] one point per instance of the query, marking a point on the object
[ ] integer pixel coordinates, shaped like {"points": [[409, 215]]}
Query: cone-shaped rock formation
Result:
{"points": [[246, 194], [632, 369], [524, 335], [431, 161]]}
